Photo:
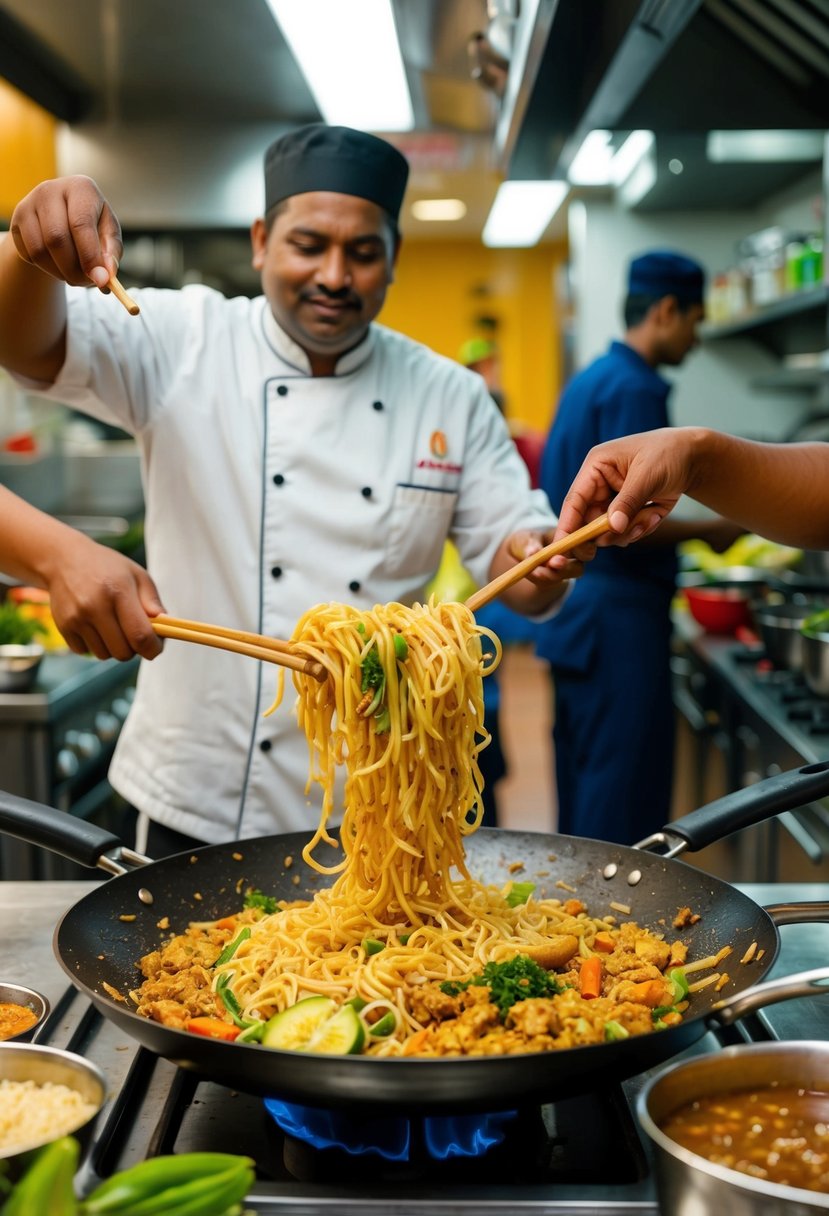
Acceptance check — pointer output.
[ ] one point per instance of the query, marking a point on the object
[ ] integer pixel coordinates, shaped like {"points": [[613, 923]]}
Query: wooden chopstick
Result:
{"points": [[590, 531], [238, 641], [124, 296]]}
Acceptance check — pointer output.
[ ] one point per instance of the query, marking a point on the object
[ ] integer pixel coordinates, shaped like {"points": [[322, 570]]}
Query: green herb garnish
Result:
{"points": [[257, 899], [516, 980]]}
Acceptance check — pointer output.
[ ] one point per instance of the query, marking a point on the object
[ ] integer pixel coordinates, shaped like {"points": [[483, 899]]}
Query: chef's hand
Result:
{"points": [[66, 228], [638, 479], [102, 602]]}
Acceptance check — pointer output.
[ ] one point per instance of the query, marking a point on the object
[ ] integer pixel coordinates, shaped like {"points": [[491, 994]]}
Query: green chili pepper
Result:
{"points": [[372, 946], [231, 948], [230, 1002], [165, 1181], [47, 1185], [401, 647], [519, 893]]}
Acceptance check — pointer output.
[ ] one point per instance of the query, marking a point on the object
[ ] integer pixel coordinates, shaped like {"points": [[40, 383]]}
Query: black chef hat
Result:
{"points": [[665, 273], [318, 157]]}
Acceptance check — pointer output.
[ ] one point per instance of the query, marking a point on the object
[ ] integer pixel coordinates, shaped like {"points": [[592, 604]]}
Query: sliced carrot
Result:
{"points": [[590, 977], [213, 1028], [227, 922], [413, 1045], [604, 942], [649, 992]]}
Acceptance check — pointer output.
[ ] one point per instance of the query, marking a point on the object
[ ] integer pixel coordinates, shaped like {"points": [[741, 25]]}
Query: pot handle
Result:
{"points": [[67, 835], [804, 983], [815, 912], [742, 808]]}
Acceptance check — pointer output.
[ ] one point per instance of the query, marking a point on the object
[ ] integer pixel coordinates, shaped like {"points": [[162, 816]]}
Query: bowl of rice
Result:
{"points": [[45, 1093]]}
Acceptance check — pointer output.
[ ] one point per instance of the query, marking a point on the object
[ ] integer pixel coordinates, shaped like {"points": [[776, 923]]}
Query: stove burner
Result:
{"points": [[442, 1137]]}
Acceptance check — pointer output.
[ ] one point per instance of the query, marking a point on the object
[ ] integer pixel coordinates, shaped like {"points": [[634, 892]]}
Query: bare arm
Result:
{"points": [[778, 490], [101, 601], [63, 231]]}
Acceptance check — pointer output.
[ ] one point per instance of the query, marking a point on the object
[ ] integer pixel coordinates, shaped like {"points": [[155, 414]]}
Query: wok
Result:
{"points": [[102, 936]]}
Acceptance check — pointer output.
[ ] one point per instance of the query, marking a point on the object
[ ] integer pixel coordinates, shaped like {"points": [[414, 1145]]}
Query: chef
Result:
{"points": [[293, 452]]}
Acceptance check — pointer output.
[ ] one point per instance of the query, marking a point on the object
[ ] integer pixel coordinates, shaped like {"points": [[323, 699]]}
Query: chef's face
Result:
{"points": [[678, 335], [326, 264]]}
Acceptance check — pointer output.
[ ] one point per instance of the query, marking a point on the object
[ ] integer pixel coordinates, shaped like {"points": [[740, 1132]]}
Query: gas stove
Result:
{"points": [[584, 1154]]}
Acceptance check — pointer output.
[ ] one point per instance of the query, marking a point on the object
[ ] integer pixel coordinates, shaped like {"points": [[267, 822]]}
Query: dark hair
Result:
{"points": [[273, 214], [637, 307]]}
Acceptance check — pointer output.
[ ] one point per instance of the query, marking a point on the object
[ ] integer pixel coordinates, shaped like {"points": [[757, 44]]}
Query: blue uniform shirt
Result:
{"points": [[618, 394]]}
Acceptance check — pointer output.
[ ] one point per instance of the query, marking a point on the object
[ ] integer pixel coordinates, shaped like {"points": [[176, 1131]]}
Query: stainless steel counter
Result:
{"points": [[155, 1107]]}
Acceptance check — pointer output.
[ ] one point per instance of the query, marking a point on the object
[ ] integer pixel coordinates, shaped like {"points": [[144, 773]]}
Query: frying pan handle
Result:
{"points": [[54, 830], [804, 983], [754, 804], [812, 913]]}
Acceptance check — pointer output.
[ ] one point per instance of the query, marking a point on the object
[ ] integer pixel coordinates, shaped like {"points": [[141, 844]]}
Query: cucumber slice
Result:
{"points": [[341, 1035], [292, 1029]]}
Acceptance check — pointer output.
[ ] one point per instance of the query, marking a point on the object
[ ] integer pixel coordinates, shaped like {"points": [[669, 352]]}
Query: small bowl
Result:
{"points": [[16, 994], [719, 609], [31, 1062], [18, 666]]}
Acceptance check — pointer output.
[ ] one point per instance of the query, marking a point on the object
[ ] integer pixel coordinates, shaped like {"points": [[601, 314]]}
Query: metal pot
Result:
{"points": [[779, 627], [690, 1185], [18, 666], [816, 662]]}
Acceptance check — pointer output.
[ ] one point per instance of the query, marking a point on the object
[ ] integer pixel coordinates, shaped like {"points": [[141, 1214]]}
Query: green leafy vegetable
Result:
{"points": [[372, 669], [231, 948], [401, 648], [614, 1031], [515, 980], [17, 629], [257, 899], [818, 622], [519, 893]]}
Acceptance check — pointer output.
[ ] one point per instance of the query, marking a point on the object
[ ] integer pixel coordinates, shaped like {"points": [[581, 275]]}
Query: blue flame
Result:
{"points": [[391, 1138]]}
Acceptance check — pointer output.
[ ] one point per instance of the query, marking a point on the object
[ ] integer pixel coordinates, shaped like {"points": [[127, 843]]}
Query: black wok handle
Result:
{"points": [[54, 830], [742, 808]]}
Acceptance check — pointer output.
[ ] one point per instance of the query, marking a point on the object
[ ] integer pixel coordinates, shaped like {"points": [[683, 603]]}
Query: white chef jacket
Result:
{"points": [[267, 491]]}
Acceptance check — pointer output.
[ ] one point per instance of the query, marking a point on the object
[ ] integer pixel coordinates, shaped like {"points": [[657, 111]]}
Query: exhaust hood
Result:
{"points": [[678, 68]]}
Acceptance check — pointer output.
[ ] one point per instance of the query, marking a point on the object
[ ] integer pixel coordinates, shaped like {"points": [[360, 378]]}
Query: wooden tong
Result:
{"points": [[125, 298], [590, 531], [255, 645]]}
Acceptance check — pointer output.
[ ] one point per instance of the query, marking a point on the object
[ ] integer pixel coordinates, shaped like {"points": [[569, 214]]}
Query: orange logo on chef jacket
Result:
{"points": [[438, 445]]}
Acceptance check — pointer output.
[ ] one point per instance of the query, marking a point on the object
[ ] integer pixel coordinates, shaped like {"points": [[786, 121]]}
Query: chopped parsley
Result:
{"points": [[516, 980], [257, 899]]}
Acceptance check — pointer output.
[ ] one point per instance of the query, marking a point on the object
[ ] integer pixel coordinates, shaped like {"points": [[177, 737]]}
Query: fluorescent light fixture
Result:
{"points": [[597, 163], [591, 164], [640, 182], [738, 146], [433, 210], [349, 53], [637, 145], [520, 213]]}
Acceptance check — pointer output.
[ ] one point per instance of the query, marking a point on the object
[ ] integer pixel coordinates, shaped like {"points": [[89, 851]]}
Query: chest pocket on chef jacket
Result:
{"points": [[420, 522]]}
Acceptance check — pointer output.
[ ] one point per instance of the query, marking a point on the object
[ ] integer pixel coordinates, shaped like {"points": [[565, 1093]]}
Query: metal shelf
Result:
{"points": [[809, 299]]}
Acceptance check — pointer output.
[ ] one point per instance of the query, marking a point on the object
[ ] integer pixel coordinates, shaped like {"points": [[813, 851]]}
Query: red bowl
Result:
{"points": [[719, 609]]}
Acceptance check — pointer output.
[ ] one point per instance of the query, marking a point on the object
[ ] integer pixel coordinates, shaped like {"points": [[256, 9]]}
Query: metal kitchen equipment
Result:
{"points": [[56, 743], [547, 1166], [100, 940]]}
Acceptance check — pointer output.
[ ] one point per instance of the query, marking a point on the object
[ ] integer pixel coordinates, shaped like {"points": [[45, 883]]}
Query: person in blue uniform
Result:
{"points": [[609, 646]]}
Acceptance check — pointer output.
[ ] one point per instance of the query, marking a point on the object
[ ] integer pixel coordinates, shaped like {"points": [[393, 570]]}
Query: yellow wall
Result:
{"points": [[27, 147], [443, 286]]}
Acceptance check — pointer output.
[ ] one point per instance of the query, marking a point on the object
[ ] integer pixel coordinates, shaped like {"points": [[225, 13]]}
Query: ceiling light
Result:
{"points": [[349, 54], [675, 166], [432, 210], [521, 211], [599, 163], [591, 164], [764, 145]]}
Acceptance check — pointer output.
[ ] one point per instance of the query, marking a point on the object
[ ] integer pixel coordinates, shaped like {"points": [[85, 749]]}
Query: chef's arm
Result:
{"points": [[538, 591], [779, 490], [63, 231], [100, 599]]}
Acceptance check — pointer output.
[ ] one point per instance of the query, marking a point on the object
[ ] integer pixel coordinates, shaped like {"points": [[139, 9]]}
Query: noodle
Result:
{"points": [[402, 711]]}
